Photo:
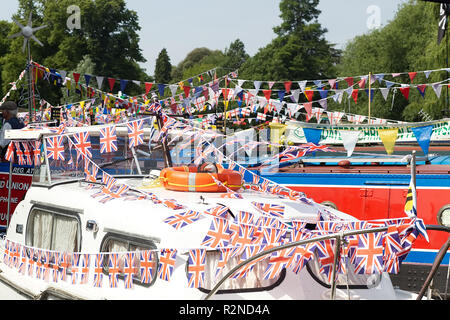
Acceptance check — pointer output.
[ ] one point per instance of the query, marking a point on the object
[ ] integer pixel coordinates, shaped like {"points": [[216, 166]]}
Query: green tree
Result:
{"points": [[108, 34], [300, 50], [235, 55], [406, 44], [5, 29], [163, 68]]}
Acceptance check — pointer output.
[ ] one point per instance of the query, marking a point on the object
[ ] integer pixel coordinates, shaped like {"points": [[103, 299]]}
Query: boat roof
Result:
{"points": [[143, 218]]}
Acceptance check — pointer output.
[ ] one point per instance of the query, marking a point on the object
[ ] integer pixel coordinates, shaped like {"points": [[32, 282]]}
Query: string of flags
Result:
{"points": [[242, 238], [247, 235]]}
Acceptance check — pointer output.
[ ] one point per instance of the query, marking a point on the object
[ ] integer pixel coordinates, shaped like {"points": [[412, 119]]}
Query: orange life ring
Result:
{"points": [[188, 179]]}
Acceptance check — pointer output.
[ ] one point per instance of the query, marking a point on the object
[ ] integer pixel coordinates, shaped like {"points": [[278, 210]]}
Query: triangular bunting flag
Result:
{"points": [[312, 135], [309, 94], [423, 136], [421, 88], [349, 139], [111, 81], [388, 137], [405, 91], [412, 75]]}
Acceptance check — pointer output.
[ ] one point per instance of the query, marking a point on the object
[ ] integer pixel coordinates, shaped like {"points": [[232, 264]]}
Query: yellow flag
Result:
{"points": [[388, 136]]}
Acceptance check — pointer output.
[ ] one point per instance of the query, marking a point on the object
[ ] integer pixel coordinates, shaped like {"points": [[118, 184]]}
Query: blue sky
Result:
{"points": [[181, 26]]}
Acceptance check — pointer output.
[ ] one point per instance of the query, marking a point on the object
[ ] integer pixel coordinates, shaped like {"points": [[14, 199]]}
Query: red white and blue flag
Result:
{"points": [[196, 268], [85, 266], [98, 270], [368, 257], [218, 235], [277, 262], [167, 261], [55, 148], [75, 267], [113, 270], [276, 210], [129, 270], [147, 266], [218, 211], [64, 263], [182, 220], [108, 140], [83, 144], [135, 133]]}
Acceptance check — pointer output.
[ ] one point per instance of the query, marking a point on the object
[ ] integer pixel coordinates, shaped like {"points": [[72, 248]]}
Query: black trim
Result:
{"points": [[328, 286], [56, 211], [249, 290], [130, 240]]}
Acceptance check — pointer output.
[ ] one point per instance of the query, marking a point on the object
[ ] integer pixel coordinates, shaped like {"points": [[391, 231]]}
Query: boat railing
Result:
{"points": [[339, 237], [437, 262]]}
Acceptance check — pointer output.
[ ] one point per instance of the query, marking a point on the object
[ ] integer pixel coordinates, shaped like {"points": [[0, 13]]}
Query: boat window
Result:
{"points": [[350, 279], [54, 231], [253, 281], [118, 244]]}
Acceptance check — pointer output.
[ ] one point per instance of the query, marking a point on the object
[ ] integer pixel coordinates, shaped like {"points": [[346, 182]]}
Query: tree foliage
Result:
{"points": [[300, 50], [163, 68], [108, 34], [406, 44]]}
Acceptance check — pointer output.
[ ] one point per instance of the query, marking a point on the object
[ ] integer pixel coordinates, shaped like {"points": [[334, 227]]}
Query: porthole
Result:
{"points": [[443, 216]]}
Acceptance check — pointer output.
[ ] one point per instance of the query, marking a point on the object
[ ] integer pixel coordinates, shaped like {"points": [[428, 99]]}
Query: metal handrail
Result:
{"points": [[338, 236], [437, 261]]}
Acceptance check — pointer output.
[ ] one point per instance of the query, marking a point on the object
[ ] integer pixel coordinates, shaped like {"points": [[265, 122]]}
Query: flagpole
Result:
{"points": [[413, 172], [370, 93]]}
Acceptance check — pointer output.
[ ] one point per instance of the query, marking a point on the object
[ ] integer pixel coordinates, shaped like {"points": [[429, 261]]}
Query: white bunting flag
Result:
{"points": [[349, 139]]}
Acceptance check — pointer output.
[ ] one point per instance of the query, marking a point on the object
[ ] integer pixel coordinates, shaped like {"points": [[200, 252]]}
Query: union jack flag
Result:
{"points": [[172, 204], [129, 270], [98, 270], [9, 156], [245, 217], [291, 154], [75, 267], [46, 266], [37, 152], [85, 266], [166, 263], [83, 144], [147, 266], [113, 270], [225, 255], [301, 255], [247, 253], [55, 148], [276, 210], [31, 262], [273, 236], [325, 253], [277, 262], [218, 234], [135, 133], [109, 183], [218, 211], [90, 171], [39, 267], [23, 260], [182, 220], [311, 147], [368, 257], [27, 154], [20, 155], [54, 265], [64, 263], [108, 140], [196, 268], [242, 238]]}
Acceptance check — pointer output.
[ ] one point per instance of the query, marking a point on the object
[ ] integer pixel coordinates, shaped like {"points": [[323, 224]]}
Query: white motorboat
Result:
{"points": [[90, 230]]}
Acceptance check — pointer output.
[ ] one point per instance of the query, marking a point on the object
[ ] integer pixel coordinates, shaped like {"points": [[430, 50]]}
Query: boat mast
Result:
{"points": [[370, 93]]}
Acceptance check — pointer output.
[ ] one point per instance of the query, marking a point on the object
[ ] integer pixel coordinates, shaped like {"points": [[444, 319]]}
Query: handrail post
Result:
{"points": [[337, 256]]}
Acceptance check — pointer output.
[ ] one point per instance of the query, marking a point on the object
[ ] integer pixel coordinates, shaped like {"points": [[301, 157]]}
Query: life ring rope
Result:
{"points": [[190, 180]]}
